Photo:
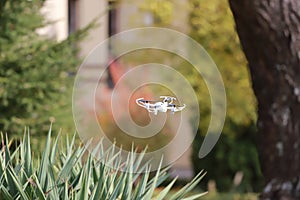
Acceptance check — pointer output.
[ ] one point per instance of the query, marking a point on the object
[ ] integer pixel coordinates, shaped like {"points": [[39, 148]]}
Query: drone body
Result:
{"points": [[160, 106]]}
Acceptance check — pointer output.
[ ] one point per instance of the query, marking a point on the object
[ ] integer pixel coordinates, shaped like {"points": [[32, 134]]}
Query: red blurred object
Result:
{"points": [[104, 94]]}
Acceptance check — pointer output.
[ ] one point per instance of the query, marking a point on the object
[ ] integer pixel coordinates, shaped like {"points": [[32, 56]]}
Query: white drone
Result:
{"points": [[160, 106]]}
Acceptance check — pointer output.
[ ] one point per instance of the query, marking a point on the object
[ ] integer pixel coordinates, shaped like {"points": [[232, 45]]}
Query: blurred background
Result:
{"points": [[42, 44]]}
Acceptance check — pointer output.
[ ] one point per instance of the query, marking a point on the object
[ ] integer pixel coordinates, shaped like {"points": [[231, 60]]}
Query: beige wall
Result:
{"points": [[86, 11], [89, 10], [56, 11]]}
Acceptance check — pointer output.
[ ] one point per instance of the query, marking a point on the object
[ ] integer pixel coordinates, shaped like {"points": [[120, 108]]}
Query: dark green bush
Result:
{"points": [[35, 70], [232, 154]]}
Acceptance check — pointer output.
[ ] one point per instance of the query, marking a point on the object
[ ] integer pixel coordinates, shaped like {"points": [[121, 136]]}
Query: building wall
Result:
{"points": [[87, 11], [83, 12], [56, 11]]}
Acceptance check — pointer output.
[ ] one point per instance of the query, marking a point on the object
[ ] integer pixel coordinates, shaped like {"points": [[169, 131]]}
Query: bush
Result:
{"points": [[232, 154], [34, 73], [73, 173]]}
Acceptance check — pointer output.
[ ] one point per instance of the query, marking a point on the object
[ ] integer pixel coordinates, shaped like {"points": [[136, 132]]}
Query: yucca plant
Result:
{"points": [[73, 173]]}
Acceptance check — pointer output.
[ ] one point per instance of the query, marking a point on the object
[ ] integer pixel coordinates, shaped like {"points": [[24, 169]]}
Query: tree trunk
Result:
{"points": [[269, 31]]}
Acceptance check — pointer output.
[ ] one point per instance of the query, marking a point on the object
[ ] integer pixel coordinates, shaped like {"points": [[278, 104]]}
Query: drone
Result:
{"points": [[160, 106]]}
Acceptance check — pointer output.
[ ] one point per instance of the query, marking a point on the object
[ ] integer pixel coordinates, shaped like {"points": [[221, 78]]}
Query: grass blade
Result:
{"points": [[196, 196], [165, 191], [5, 194], [16, 184]]}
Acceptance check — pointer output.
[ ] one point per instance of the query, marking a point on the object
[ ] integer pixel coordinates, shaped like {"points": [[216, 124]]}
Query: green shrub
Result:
{"points": [[34, 73], [73, 173], [232, 154]]}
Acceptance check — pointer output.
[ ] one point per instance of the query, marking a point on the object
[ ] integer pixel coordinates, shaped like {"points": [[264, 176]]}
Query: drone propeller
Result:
{"points": [[168, 99], [175, 108], [144, 103]]}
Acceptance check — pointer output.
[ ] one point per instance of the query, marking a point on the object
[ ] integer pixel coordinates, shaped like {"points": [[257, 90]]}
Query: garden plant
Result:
{"points": [[71, 172]]}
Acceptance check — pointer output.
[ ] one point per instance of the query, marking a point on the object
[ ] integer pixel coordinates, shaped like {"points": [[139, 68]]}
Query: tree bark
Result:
{"points": [[269, 32]]}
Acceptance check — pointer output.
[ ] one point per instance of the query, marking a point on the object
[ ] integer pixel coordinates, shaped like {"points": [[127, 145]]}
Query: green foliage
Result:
{"points": [[73, 173], [230, 196], [212, 26], [34, 73], [229, 156], [162, 11]]}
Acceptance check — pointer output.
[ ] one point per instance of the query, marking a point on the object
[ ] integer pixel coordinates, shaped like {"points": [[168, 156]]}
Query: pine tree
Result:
{"points": [[35, 70]]}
